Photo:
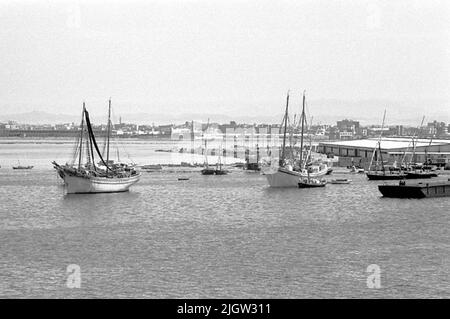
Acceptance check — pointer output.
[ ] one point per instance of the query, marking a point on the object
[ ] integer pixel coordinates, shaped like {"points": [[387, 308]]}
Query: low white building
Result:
{"points": [[392, 149]]}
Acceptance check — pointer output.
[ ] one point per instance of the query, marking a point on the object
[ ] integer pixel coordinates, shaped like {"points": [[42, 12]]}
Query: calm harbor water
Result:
{"points": [[212, 236]]}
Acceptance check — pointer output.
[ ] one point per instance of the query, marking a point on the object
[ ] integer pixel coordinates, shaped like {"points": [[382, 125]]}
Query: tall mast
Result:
{"points": [[192, 142], [413, 156], [283, 154], [81, 137], [309, 154], [426, 148], [206, 142], [379, 141], [303, 125], [381, 156], [406, 152], [108, 132]]}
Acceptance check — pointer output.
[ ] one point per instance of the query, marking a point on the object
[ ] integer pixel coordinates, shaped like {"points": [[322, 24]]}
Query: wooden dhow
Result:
{"points": [[88, 177]]}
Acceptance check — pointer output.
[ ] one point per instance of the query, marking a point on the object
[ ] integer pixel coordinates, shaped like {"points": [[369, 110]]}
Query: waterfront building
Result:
{"points": [[392, 150]]}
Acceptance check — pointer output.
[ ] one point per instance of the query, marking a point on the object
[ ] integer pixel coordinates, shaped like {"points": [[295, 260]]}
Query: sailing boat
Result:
{"points": [[89, 178], [219, 170], [18, 166], [415, 171], [206, 169], [252, 165], [311, 182], [382, 174], [287, 175]]}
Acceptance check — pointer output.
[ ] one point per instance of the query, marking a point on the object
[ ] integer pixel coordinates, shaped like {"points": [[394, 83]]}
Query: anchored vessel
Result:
{"points": [[384, 173], [23, 167], [341, 181], [416, 190], [90, 178], [208, 170], [288, 175], [311, 183]]}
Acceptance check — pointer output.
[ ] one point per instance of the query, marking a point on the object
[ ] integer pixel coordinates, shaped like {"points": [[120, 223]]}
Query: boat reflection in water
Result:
{"points": [[90, 178]]}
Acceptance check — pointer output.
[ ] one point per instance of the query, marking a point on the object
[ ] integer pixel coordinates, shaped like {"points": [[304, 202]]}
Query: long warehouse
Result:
{"points": [[392, 149]]}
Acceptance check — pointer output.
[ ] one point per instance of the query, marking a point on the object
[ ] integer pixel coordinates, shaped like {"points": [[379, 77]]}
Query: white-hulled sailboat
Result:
{"points": [[289, 172], [89, 178]]}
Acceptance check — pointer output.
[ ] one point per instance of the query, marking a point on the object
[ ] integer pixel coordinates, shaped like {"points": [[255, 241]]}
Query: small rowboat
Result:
{"points": [[341, 181], [356, 170], [23, 167]]}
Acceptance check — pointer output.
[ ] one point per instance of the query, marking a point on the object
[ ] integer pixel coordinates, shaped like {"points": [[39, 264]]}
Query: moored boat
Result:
{"points": [[420, 174], [384, 172], [19, 166], [286, 175], [311, 183], [208, 171], [356, 170], [151, 167], [385, 175], [23, 167], [92, 178], [340, 181]]}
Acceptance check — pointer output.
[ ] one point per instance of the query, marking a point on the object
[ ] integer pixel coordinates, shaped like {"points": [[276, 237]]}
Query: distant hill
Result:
{"points": [[326, 111], [37, 117]]}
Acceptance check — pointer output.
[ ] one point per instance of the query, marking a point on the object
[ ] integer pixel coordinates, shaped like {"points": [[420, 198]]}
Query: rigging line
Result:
{"points": [[76, 146], [413, 155], [92, 138], [379, 141], [411, 142], [81, 136], [118, 144]]}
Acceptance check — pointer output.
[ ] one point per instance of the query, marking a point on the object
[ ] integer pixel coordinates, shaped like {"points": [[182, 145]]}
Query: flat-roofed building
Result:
{"points": [[392, 149]]}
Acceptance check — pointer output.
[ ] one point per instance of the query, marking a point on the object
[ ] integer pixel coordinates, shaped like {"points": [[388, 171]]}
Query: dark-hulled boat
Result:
{"points": [[385, 175], [23, 167], [416, 190], [208, 171], [420, 174], [383, 172], [311, 183], [221, 171], [250, 166]]}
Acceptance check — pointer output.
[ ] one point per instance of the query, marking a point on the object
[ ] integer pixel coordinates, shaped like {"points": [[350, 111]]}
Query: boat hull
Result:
{"points": [[415, 191], [220, 172], [414, 175], [84, 185], [252, 167], [340, 181], [308, 185], [385, 177], [208, 171], [283, 178], [22, 167], [287, 178]]}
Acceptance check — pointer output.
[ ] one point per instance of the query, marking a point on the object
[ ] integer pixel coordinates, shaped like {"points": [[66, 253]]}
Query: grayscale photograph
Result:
{"points": [[224, 149]]}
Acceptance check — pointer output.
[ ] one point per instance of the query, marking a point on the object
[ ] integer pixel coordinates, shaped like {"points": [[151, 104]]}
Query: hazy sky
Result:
{"points": [[230, 57]]}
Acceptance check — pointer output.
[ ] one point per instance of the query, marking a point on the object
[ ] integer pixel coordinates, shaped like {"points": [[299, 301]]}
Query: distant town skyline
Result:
{"points": [[320, 111], [232, 58]]}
